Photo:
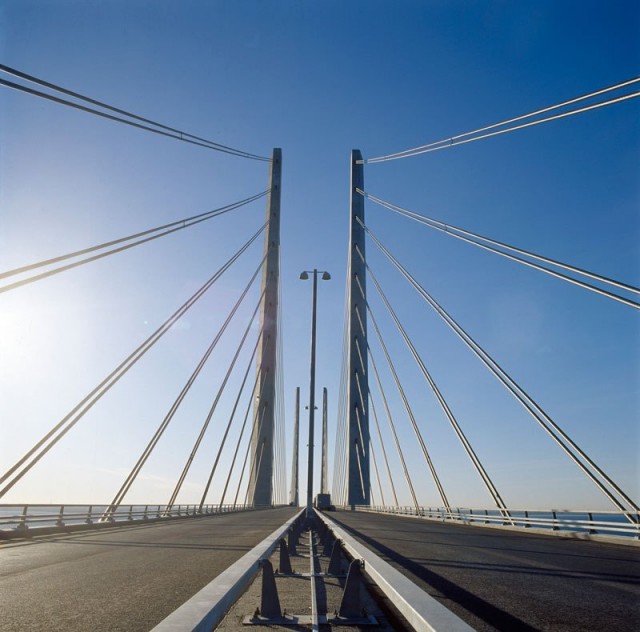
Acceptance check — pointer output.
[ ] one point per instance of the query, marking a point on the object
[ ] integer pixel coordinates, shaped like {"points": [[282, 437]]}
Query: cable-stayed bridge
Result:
{"points": [[387, 482]]}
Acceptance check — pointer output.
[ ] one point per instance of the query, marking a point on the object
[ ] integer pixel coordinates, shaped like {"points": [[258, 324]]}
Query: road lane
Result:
{"points": [[124, 578], [505, 580]]}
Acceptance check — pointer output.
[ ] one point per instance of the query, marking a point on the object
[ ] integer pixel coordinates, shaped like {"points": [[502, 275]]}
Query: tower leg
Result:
{"points": [[261, 481], [358, 485]]}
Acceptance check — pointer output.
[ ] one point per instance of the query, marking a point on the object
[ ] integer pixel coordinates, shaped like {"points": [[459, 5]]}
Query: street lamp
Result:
{"points": [[312, 381]]}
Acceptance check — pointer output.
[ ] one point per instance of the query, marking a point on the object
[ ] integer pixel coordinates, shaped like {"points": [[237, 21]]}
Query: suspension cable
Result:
{"points": [[375, 416], [233, 410], [251, 434], [460, 233], [358, 452], [486, 479], [280, 402], [213, 407], [157, 128], [412, 418], [477, 134], [167, 228], [375, 468], [339, 468], [246, 454], [67, 422], [146, 453], [539, 415], [240, 436], [364, 441], [391, 423], [256, 460], [257, 430], [384, 451]]}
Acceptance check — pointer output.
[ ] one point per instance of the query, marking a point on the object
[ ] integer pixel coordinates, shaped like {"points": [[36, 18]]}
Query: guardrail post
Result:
{"points": [[60, 520], [285, 562], [335, 565], [22, 525], [526, 523], [292, 540], [351, 604], [269, 601], [130, 514], [328, 543], [591, 529], [555, 526], [89, 519], [145, 516]]}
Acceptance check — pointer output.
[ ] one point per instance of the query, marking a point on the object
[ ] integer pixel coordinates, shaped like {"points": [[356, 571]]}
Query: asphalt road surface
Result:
{"points": [[125, 578], [503, 580]]}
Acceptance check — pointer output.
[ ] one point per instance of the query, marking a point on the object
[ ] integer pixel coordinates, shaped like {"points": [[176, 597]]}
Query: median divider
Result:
{"points": [[421, 610], [206, 608]]}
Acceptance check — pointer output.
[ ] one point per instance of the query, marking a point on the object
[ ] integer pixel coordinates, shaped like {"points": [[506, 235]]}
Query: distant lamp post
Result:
{"points": [[312, 381]]}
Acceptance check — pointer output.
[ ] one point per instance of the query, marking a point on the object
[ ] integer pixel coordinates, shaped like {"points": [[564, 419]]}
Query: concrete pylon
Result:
{"points": [[358, 483], [261, 481]]}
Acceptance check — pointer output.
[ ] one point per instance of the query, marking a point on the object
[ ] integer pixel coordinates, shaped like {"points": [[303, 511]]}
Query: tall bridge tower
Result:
{"points": [[261, 479], [358, 483]]}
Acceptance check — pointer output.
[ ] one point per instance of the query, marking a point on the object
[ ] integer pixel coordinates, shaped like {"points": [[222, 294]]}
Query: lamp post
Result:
{"points": [[312, 379]]}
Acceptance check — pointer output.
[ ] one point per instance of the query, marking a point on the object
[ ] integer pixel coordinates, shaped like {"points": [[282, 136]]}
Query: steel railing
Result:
{"points": [[15, 518], [609, 523]]}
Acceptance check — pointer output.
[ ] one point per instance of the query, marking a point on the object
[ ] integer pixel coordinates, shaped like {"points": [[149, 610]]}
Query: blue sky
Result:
{"points": [[319, 79]]}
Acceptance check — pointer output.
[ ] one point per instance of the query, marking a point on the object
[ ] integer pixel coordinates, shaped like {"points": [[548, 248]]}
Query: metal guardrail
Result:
{"points": [[606, 523], [15, 519], [421, 610], [207, 607]]}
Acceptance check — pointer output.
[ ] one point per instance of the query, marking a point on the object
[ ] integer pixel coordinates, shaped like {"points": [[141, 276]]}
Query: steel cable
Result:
{"points": [[384, 451], [486, 479], [214, 405], [146, 453], [156, 129], [66, 423], [453, 232], [405, 401], [167, 228], [390, 421], [233, 412], [569, 446], [240, 436], [452, 141]]}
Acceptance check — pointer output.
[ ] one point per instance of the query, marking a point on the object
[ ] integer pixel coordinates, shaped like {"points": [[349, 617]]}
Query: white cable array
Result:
{"points": [[339, 486], [478, 134], [500, 248], [604, 483]]}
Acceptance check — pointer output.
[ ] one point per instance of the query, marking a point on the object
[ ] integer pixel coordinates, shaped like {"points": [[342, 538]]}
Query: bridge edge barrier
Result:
{"points": [[421, 610], [207, 607]]}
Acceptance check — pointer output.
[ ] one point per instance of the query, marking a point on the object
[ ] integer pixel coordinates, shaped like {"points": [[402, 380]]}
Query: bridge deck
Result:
{"points": [[503, 580], [125, 578]]}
